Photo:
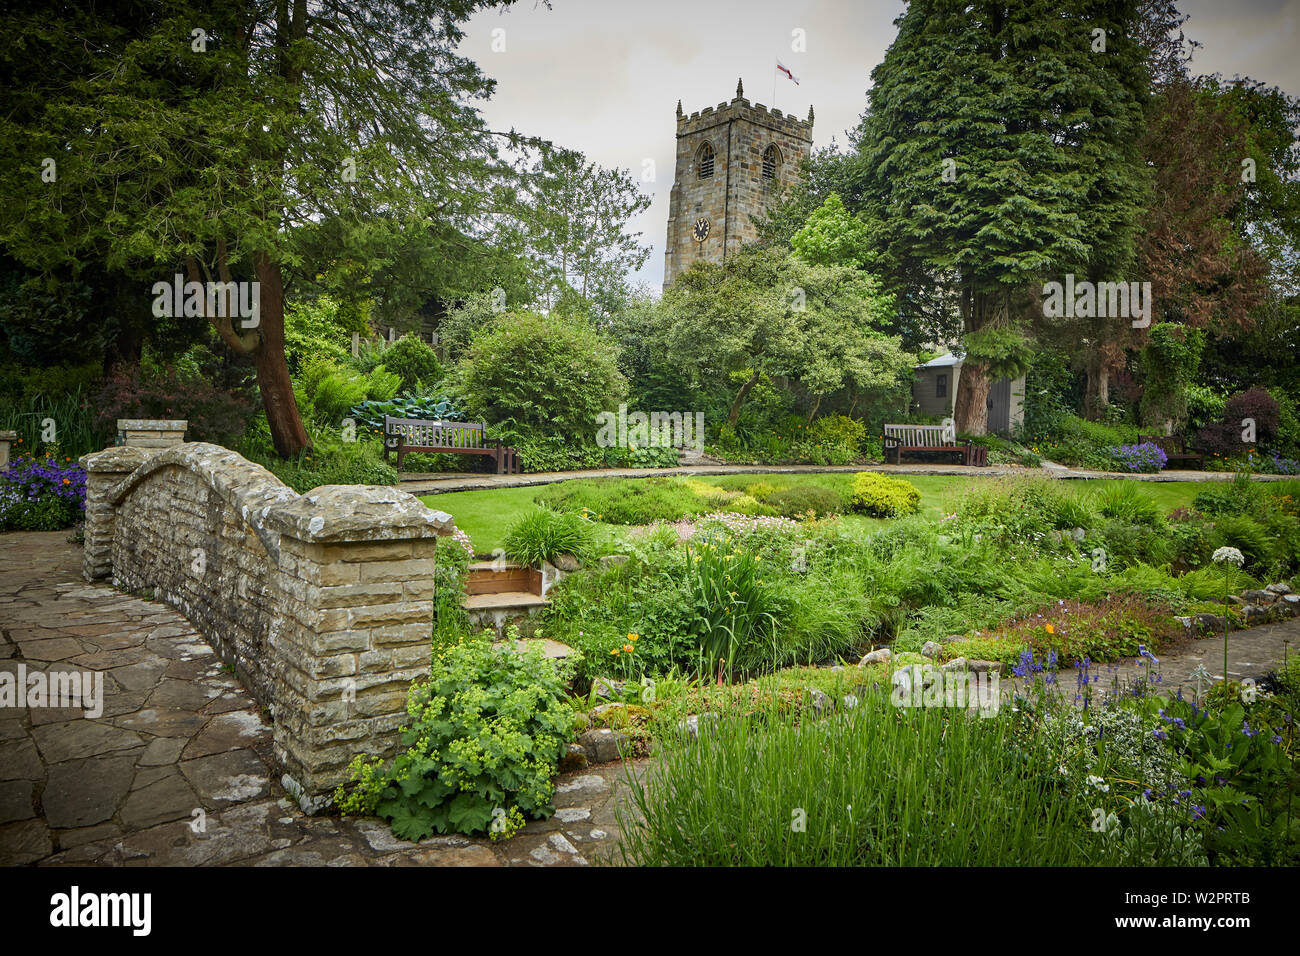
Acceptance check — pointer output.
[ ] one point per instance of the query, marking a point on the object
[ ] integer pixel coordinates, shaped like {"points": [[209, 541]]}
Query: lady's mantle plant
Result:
{"points": [[487, 731]]}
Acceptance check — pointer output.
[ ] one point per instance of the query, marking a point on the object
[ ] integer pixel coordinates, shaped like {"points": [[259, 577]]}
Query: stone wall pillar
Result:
{"points": [[7, 439], [104, 470], [151, 432], [322, 603]]}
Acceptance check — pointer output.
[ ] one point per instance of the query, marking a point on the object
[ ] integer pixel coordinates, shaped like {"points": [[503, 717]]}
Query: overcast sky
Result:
{"points": [[604, 76]]}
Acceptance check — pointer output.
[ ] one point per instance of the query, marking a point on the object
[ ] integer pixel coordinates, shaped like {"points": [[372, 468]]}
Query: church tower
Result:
{"points": [[732, 160]]}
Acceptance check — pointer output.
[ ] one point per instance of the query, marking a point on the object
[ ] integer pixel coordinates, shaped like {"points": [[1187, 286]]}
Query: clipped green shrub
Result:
{"points": [[801, 499], [883, 496], [618, 501], [414, 362], [542, 534]]}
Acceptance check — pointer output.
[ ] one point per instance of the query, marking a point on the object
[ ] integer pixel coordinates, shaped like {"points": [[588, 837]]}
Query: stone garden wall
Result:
{"points": [[322, 603]]}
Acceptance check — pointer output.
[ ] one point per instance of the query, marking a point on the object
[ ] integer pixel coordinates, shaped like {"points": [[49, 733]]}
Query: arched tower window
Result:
{"points": [[704, 161], [771, 160]]}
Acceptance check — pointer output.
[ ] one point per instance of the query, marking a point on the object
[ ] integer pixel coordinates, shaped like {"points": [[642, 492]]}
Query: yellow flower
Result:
{"points": [[628, 648], [1050, 629], [634, 637], [614, 652]]}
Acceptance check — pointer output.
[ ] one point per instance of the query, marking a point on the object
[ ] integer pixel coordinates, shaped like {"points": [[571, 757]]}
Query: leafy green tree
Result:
{"points": [[832, 236], [575, 214], [843, 313], [732, 322], [1000, 148], [280, 141]]}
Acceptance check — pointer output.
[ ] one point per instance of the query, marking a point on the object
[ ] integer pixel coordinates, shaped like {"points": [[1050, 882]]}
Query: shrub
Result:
{"points": [[1147, 457], [830, 440], [882, 496], [1240, 496], [214, 414], [542, 375], [759, 490], [414, 362], [618, 501], [488, 729], [542, 534], [801, 499], [41, 495], [1224, 437]]}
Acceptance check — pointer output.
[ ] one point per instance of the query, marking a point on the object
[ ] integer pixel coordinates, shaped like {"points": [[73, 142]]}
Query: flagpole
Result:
{"points": [[774, 72]]}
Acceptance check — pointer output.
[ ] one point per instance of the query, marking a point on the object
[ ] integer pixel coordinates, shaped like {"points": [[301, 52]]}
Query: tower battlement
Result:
{"points": [[732, 160]]}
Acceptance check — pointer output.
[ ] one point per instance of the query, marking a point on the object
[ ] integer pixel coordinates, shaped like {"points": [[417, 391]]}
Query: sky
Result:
{"points": [[604, 76]]}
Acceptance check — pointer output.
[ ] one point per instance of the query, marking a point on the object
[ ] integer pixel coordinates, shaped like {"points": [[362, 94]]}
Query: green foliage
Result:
{"points": [[1170, 360], [1126, 502], [733, 607], [487, 730], [541, 376], [331, 461], [542, 534], [833, 237], [414, 362], [802, 499], [882, 496], [776, 788], [643, 501], [1240, 774], [319, 328]]}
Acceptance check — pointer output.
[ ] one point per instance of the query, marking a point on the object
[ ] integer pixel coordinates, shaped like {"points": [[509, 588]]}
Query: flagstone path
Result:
{"points": [[432, 483], [177, 769]]}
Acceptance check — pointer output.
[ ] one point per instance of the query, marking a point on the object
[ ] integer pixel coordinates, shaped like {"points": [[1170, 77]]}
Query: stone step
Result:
{"points": [[486, 578], [505, 600], [550, 648]]}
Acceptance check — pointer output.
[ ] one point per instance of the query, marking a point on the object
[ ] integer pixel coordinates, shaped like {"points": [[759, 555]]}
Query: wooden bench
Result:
{"points": [[1175, 449], [927, 438], [405, 435]]}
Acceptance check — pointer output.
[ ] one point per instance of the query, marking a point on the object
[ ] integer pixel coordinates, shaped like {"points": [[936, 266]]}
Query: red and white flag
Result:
{"points": [[786, 70]]}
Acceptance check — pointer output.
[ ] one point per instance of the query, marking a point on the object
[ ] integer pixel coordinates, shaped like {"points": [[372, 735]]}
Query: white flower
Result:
{"points": [[1229, 555], [1098, 782]]}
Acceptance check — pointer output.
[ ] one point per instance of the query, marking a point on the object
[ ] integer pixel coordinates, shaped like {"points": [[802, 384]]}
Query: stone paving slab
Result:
{"points": [[435, 483], [177, 770]]}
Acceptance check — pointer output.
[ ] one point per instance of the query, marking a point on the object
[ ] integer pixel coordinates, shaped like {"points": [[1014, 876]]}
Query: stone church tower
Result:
{"points": [[731, 161]]}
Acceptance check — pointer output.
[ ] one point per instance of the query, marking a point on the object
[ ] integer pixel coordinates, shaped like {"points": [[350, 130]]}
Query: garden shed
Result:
{"points": [[934, 389]]}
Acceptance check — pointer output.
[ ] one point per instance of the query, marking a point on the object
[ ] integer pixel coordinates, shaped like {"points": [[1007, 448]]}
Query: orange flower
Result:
{"points": [[628, 648], [1049, 629], [614, 652], [67, 481]]}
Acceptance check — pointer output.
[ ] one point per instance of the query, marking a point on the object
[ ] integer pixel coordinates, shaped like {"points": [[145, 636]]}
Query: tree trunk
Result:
{"points": [[971, 410], [287, 431], [1097, 392], [740, 399], [812, 412]]}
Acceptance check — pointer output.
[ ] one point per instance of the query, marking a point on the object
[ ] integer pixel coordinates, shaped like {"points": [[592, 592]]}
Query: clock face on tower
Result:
{"points": [[701, 230]]}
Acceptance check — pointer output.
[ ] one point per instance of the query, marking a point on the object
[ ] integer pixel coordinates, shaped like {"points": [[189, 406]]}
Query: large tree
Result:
{"points": [[246, 140], [999, 149]]}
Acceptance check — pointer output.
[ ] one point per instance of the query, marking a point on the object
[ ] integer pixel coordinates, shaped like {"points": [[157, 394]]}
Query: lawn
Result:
{"points": [[486, 514]]}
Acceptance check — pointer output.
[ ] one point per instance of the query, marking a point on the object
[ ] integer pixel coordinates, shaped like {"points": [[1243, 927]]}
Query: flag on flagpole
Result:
{"points": [[786, 70]]}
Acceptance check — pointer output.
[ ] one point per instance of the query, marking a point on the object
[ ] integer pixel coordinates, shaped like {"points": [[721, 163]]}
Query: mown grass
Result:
{"points": [[485, 515]]}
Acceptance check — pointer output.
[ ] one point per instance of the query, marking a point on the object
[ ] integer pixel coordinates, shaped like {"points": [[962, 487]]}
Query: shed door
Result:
{"points": [[999, 407]]}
